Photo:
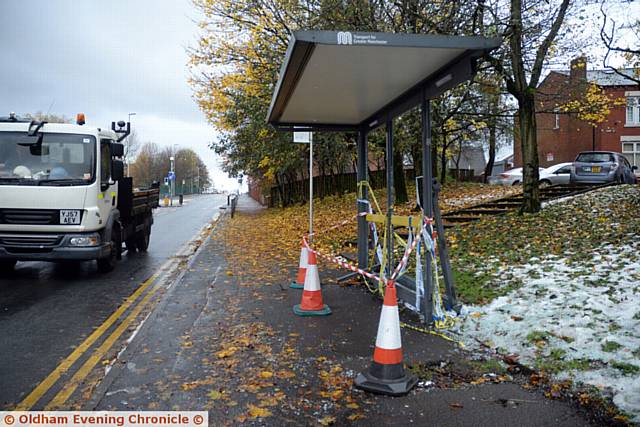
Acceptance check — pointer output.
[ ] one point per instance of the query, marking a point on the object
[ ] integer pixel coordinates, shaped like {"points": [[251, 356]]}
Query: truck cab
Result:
{"points": [[60, 191]]}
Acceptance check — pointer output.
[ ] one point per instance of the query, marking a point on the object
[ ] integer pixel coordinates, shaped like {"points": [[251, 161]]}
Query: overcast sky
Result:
{"points": [[110, 58], [106, 59]]}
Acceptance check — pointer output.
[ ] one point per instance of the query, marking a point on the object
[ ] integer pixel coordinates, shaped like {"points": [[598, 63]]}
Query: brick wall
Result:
{"points": [[559, 144]]}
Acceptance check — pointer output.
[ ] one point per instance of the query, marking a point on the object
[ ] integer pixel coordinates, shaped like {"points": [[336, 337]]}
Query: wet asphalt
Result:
{"points": [[48, 309]]}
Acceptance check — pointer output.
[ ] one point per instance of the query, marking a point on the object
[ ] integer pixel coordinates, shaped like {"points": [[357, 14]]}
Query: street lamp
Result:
{"points": [[172, 182]]}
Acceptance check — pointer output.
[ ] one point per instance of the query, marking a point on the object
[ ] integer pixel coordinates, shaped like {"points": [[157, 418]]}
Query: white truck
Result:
{"points": [[64, 196]]}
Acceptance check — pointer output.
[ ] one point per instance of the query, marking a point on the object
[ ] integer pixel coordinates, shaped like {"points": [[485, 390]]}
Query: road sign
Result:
{"points": [[302, 137], [171, 176]]}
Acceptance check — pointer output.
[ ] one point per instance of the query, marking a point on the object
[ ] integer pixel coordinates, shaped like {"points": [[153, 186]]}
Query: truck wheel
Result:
{"points": [[7, 265], [107, 264], [142, 239], [131, 244]]}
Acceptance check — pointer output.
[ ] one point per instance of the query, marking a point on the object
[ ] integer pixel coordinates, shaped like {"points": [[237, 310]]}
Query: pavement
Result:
{"points": [[48, 310], [236, 349]]}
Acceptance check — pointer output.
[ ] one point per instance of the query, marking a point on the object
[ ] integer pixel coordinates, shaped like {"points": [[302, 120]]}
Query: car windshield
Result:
{"points": [[46, 159], [594, 158]]}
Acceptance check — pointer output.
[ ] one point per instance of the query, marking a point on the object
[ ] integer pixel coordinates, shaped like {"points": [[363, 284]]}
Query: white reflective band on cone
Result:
{"points": [[389, 329], [303, 258], [312, 279]]}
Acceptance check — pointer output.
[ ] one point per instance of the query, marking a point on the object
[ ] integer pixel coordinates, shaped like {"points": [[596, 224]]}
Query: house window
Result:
{"points": [[633, 110], [631, 150], [557, 118]]}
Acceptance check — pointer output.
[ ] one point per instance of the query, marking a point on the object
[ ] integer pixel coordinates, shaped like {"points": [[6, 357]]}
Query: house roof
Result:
{"points": [[347, 80], [608, 77]]}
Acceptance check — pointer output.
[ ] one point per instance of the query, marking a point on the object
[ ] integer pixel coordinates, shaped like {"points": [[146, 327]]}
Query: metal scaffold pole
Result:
{"points": [[427, 203]]}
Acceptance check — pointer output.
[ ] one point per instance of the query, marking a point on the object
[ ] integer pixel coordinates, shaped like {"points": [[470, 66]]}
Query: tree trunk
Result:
{"points": [[400, 183], [492, 151], [434, 157], [529, 145], [443, 162], [280, 188]]}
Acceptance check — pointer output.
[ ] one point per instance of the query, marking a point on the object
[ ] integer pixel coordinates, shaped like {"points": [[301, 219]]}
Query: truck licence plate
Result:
{"points": [[69, 216]]}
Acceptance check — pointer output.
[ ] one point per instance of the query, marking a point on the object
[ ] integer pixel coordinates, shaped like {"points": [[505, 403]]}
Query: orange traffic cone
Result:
{"points": [[302, 268], [386, 375], [311, 304]]}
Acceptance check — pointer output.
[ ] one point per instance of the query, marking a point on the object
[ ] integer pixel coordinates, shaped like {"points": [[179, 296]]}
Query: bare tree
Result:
{"points": [[610, 36], [529, 31], [48, 117]]}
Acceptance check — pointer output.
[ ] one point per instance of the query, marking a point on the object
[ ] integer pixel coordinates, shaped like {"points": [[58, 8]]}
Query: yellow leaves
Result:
{"points": [[270, 401], [265, 374], [188, 386], [594, 106], [336, 395], [257, 412], [215, 395], [264, 163], [228, 352], [327, 421], [284, 374], [355, 417]]}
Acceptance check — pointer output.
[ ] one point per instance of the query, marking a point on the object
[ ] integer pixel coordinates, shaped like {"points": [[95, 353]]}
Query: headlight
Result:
{"points": [[85, 240]]}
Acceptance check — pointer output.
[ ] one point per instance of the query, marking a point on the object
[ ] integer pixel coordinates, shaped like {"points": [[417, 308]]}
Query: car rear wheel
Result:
{"points": [[545, 183], [516, 183]]}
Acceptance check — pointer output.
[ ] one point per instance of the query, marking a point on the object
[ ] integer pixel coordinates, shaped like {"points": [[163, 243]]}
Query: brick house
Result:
{"points": [[562, 136]]}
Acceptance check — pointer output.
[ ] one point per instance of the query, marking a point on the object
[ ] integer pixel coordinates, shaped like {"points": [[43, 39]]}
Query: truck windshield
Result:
{"points": [[46, 159]]}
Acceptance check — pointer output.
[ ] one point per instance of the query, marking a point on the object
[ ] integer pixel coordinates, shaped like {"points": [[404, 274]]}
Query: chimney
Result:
{"points": [[578, 70]]}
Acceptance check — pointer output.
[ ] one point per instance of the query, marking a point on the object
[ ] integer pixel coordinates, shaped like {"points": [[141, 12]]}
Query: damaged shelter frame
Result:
{"points": [[341, 81]]}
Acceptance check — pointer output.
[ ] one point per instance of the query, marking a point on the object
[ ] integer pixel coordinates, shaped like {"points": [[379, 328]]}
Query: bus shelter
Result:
{"points": [[343, 81]]}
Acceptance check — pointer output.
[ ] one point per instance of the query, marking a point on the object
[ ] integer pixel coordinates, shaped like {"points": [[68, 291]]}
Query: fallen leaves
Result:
{"points": [[228, 352], [265, 374], [257, 412], [215, 394], [327, 421]]}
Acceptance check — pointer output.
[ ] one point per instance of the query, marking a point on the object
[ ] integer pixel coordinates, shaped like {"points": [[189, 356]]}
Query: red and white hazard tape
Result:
{"points": [[342, 263], [349, 266]]}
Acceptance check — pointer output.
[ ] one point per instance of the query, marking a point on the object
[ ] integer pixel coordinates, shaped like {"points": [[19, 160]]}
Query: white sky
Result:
{"points": [[107, 59], [110, 58]]}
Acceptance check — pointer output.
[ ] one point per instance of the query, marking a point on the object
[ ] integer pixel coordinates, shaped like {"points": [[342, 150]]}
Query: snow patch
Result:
{"points": [[587, 312]]}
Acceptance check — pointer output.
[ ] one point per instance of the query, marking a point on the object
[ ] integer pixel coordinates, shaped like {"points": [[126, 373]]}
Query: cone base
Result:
{"points": [[294, 285], [325, 311], [396, 387]]}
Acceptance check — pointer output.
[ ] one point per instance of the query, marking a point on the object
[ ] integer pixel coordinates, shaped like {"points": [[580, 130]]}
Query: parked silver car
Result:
{"points": [[510, 177], [556, 174], [599, 167]]}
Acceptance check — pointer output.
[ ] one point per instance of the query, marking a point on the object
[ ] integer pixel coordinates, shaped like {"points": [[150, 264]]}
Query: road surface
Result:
{"points": [[46, 310]]}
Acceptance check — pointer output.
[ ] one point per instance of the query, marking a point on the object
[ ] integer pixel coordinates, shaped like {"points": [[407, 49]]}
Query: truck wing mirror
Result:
{"points": [[117, 169], [117, 150]]}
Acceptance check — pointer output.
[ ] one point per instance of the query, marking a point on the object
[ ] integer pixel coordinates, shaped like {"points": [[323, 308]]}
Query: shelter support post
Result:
{"points": [[363, 226], [427, 202], [443, 251], [390, 196]]}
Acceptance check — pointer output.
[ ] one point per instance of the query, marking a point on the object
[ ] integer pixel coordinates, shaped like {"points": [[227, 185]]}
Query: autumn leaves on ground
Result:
{"points": [[263, 247]]}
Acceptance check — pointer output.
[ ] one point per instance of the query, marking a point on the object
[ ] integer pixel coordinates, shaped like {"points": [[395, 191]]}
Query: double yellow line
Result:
{"points": [[67, 390]]}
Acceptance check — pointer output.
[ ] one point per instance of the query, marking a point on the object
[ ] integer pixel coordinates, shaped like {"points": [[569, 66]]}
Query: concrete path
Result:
{"points": [[239, 352]]}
